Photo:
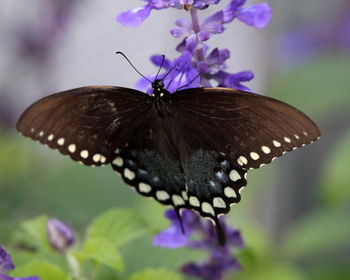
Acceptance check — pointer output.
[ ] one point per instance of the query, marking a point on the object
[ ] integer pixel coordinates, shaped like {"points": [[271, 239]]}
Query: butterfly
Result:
{"points": [[188, 149]]}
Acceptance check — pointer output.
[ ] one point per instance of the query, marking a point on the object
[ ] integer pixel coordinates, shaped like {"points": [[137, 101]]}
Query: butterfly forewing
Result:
{"points": [[87, 123], [251, 129]]}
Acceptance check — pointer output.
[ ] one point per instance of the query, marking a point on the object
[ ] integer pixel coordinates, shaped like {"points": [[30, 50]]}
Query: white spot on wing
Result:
{"points": [[103, 159], [118, 161], [84, 154], [177, 200], [296, 136], [254, 156], [194, 201], [41, 133], [242, 160], [72, 148], [266, 149], [218, 202], [229, 192], [144, 188], [184, 195], [129, 174], [162, 195], [50, 138], [286, 139], [96, 157], [234, 175], [60, 141], [276, 143], [207, 208]]}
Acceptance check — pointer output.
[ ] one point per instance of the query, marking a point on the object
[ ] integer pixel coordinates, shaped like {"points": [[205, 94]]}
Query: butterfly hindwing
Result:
{"points": [[213, 184], [87, 123], [152, 175]]}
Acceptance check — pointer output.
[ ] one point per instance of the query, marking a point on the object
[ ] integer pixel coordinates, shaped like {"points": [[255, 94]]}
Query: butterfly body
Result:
{"points": [[188, 149]]}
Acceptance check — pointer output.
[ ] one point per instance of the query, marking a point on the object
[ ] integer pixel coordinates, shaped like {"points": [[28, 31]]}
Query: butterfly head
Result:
{"points": [[158, 89]]}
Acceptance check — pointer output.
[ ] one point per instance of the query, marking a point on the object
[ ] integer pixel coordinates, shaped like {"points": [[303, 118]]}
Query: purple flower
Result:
{"points": [[220, 259], [173, 237], [225, 79], [7, 264], [211, 25], [60, 235]]}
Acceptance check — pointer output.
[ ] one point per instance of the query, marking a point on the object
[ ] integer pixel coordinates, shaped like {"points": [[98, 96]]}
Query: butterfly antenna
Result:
{"points": [[172, 77], [189, 82], [160, 67], [133, 66]]}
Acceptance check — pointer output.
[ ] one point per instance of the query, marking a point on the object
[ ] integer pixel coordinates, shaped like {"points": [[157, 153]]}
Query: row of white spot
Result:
{"points": [[72, 148], [242, 160], [178, 200]]}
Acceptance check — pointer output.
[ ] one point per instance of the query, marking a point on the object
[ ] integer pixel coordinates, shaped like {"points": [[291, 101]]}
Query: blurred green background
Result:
{"points": [[295, 212]]}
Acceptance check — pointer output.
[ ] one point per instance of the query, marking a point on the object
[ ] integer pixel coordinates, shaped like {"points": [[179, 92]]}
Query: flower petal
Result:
{"points": [[214, 23], [231, 10], [257, 15], [182, 22], [179, 32], [134, 17], [235, 80], [157, 60], [186, 2]]}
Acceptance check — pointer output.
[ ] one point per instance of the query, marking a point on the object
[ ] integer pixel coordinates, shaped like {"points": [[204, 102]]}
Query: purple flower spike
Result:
{"points": [[6, 262], [60, 235]]}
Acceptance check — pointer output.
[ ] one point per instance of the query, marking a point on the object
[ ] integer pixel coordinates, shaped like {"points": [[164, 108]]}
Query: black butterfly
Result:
{"points": [[189, 149]]}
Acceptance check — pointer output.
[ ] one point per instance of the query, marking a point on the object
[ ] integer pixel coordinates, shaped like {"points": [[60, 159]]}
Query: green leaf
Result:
{"points": [[42, 269], [320, 233], [117, 225], [104, 252], [335, 182], [33, 232], [155, 274]]}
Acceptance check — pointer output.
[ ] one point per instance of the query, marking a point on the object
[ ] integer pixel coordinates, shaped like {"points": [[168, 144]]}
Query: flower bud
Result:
{"points": [[60, 235]]}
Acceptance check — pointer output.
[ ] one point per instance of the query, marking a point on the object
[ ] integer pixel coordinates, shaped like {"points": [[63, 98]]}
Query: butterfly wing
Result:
{"points": [[250, 129], [87, 123], [221, 133]]}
